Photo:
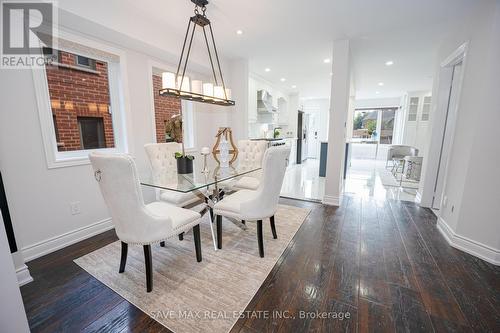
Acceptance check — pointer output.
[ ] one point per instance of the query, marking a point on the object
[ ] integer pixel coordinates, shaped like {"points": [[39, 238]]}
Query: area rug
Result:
{"points": [[189, 296]]}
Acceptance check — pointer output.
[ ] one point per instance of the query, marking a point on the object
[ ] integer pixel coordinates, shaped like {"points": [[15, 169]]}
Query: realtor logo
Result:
{"points": [[27, 33]]}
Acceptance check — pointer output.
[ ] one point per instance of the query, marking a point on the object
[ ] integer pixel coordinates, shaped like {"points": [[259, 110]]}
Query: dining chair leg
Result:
{"points": [[197, 242], [123, 260], [210, 210], [149, 267], [260, 238], [162, 244], [219, 231], [181, 236], [273, 227]]}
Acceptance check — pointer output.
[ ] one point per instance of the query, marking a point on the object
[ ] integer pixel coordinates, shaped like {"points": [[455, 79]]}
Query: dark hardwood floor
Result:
{"points": [[382, 265]]}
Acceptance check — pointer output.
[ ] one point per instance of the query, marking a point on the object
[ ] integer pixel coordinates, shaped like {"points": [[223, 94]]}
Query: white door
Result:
{"points": [[313, 142], [447, 136]]}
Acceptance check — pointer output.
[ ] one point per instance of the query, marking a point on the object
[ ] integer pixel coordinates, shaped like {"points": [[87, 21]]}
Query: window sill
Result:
{"points": [[74, 67], [75, 158]]}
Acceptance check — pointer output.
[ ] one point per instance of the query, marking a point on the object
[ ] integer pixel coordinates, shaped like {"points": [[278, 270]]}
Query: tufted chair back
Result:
{"points": [[265, 198], [120, 188], [250, 154], [162, 156], [400, 151]]}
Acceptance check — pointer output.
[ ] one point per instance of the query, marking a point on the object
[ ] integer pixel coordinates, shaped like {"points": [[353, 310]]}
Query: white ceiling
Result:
{"points": [[292, 37]]}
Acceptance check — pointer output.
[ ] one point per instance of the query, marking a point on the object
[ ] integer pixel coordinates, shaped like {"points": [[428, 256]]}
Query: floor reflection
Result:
{"points": [[365, 178]]}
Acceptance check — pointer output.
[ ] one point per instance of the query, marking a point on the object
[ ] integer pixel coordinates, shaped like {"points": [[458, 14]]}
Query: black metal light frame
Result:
{"points": [[202, 21]]}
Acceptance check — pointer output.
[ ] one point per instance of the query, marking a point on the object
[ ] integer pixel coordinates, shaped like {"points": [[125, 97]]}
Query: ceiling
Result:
{"points": [[293, 37]]}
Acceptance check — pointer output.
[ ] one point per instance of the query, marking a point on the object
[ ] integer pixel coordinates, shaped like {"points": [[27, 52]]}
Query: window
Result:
{"points": [[77, 95], [374, 125], [91, 132], [364, 124], [387, 125], [81, 108], [85, 62], [165, 107]]}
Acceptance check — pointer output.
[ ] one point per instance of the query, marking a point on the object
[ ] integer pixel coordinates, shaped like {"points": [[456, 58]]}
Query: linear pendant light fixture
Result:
{"points": [[178, 85]]}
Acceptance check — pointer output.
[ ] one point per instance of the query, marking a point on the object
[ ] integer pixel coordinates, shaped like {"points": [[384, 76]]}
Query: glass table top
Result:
{"points": [[202, 177]]}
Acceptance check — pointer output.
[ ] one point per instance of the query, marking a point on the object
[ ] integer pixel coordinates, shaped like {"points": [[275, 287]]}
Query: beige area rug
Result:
{"points": [[189, 296]]}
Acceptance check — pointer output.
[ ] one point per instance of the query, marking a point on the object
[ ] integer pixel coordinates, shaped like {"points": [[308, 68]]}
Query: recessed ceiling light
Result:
{"points": [[381, 84], [377, 92], [389, 63], [239, 32], [267, 69], [326, 61], [294, 86], [282, 79]]}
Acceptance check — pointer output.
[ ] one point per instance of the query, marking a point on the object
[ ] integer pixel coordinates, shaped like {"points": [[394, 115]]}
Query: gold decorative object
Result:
{"points": [[228, 134]]}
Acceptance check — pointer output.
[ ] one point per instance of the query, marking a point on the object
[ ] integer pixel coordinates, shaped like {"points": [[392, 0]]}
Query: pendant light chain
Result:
{"points": [[210, 55], [218, 62]]}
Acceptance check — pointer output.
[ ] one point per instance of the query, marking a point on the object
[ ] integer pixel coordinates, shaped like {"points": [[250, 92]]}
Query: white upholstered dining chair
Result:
{"points": [[259, 204], [250, 155], [135, 222], [162, 160]]}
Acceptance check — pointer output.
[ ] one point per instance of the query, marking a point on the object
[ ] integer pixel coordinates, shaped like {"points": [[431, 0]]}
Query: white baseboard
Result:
{"points": [[470, 246], [332, 201], [55, 243], [418, 197], [23, 275]]}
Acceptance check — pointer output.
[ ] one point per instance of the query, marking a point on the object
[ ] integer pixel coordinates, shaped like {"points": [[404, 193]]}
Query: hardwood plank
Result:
{"points": [[121, 318], [398, 268], [373, 278], [374, 317], [408, 311], [438, 299]]}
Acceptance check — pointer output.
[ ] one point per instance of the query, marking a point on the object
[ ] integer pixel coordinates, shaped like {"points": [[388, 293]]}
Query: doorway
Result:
{"points": [[443, 128], [447, 136], [303, 179]]}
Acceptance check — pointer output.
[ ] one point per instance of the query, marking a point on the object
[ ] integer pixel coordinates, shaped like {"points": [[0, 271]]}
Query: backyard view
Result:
{"points": [[374, 125]]}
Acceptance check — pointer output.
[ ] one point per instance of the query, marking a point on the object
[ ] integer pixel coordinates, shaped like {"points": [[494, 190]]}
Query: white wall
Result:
{"points": [[238, 81], [470, 218], [39, 197], [377, 103]]}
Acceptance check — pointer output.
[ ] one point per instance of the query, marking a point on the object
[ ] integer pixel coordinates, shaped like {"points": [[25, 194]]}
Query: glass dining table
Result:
{"points": [[209, 181]]}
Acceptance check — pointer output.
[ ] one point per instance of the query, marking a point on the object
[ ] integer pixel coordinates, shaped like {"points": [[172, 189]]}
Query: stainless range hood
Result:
{"points": [[265, 102]]}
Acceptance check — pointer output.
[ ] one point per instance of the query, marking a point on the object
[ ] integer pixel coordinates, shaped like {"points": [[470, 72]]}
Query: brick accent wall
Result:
{"points": [[78, 93], [165, 108]]}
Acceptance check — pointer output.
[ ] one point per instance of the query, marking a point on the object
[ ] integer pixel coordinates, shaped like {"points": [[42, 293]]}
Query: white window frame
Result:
{"points": [[187, 109], [117, 86]]}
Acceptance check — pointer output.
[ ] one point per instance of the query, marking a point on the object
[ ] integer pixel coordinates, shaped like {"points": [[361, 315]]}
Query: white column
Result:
{"points": [[339, 107]]}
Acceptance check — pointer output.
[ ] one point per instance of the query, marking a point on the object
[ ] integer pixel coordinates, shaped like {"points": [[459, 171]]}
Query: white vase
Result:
{"points": [[224, 153]]}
